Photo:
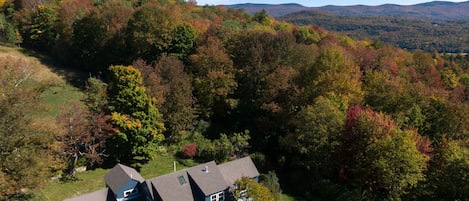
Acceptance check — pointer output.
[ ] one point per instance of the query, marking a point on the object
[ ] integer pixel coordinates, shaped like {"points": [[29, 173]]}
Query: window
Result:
{"points": [[182, 180], [129, 192], [243, 193], [220, 196]]}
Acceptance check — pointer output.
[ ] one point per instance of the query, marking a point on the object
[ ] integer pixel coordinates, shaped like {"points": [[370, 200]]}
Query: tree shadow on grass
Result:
{"points": [[71, 74]]}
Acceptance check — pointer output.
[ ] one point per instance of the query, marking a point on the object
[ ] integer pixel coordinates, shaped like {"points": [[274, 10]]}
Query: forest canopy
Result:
{"points": [[362, 120]]}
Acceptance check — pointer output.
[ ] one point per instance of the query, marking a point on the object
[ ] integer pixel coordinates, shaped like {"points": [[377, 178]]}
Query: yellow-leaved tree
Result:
{"points": [[248, 188], [135, 116]]}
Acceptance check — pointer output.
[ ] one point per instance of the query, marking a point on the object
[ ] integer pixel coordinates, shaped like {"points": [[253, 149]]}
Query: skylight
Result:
{"points": [[182, 180]]}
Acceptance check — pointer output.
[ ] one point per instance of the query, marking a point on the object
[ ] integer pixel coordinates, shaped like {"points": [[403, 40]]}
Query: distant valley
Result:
{"points": [[406, 33], [435, 26]]}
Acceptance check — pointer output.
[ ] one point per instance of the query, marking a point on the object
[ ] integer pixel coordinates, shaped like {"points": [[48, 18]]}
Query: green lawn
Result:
{"points": [[40, 72], [86, 182], [90, 181], [285, 197], [59, 96]]}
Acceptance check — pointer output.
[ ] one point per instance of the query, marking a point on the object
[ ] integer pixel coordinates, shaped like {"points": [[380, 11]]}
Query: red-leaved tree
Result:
{"points": [[189, 150]]}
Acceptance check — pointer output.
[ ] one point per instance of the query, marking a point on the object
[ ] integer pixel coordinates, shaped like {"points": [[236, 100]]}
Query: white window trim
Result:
{"points": [[220, 196], [129, 192]]}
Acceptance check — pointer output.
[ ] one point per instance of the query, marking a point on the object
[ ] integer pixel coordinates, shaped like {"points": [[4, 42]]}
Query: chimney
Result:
{"points": [[206, 169]]}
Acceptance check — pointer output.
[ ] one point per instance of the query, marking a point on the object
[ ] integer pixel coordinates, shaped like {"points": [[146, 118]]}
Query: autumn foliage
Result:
{"points": [[189, 150], [361, 120]]}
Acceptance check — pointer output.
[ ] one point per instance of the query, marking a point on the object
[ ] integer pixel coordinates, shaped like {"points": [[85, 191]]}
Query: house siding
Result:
{"points": [[132, 184], [197, 192], [256, 179]]}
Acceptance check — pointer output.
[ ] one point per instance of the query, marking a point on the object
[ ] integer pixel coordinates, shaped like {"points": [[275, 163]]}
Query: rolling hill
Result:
{"points": [[274, 10], [436, 10]]}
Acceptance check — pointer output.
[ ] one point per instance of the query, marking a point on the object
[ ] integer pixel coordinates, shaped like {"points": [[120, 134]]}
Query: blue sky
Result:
{"points": [[315, 3]]}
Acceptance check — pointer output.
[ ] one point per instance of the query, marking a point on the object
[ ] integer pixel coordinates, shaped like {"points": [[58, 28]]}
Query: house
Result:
{"points": [[204, 182], [124, 182]]}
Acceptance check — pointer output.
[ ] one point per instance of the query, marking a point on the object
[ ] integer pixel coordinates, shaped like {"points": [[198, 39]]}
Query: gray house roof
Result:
{"points": [[208, 178], [174, 186], [120, 175], [237, 169], [183, 185]]}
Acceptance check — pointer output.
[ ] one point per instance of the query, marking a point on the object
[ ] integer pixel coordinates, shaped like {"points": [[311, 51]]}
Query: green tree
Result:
{"points": [[423, 61], [404, 101], [445, 119], [98, 38], [43, 33], [377, 157], [89, 38], [183, 41], [214, 81], [334, 75], [307, 35], [449, 78], [221, 149], [178, 106], [134, 115], [69, 12], [8, 31], [96, 96], [315, 140], [448, 175], [149, 32], [271, 181], [240, 142], [262, 17]]}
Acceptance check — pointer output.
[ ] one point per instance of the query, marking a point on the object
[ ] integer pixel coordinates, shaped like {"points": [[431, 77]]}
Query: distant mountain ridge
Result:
{"points": [[274, 10], [436, 10]]}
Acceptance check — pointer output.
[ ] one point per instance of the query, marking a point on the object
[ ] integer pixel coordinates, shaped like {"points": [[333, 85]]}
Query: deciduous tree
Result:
{"points": [[149, 32], [379, 158], [134, 115], [26, 145], [255, 191], [83, 135], [179, 106], [214, 77], [316, 137]]}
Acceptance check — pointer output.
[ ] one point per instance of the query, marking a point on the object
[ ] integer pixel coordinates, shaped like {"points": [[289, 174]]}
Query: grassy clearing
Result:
{"points": [[86, 182], [59, 96], [59, 92], [285, 197], [41, 73], [90, 181]]}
